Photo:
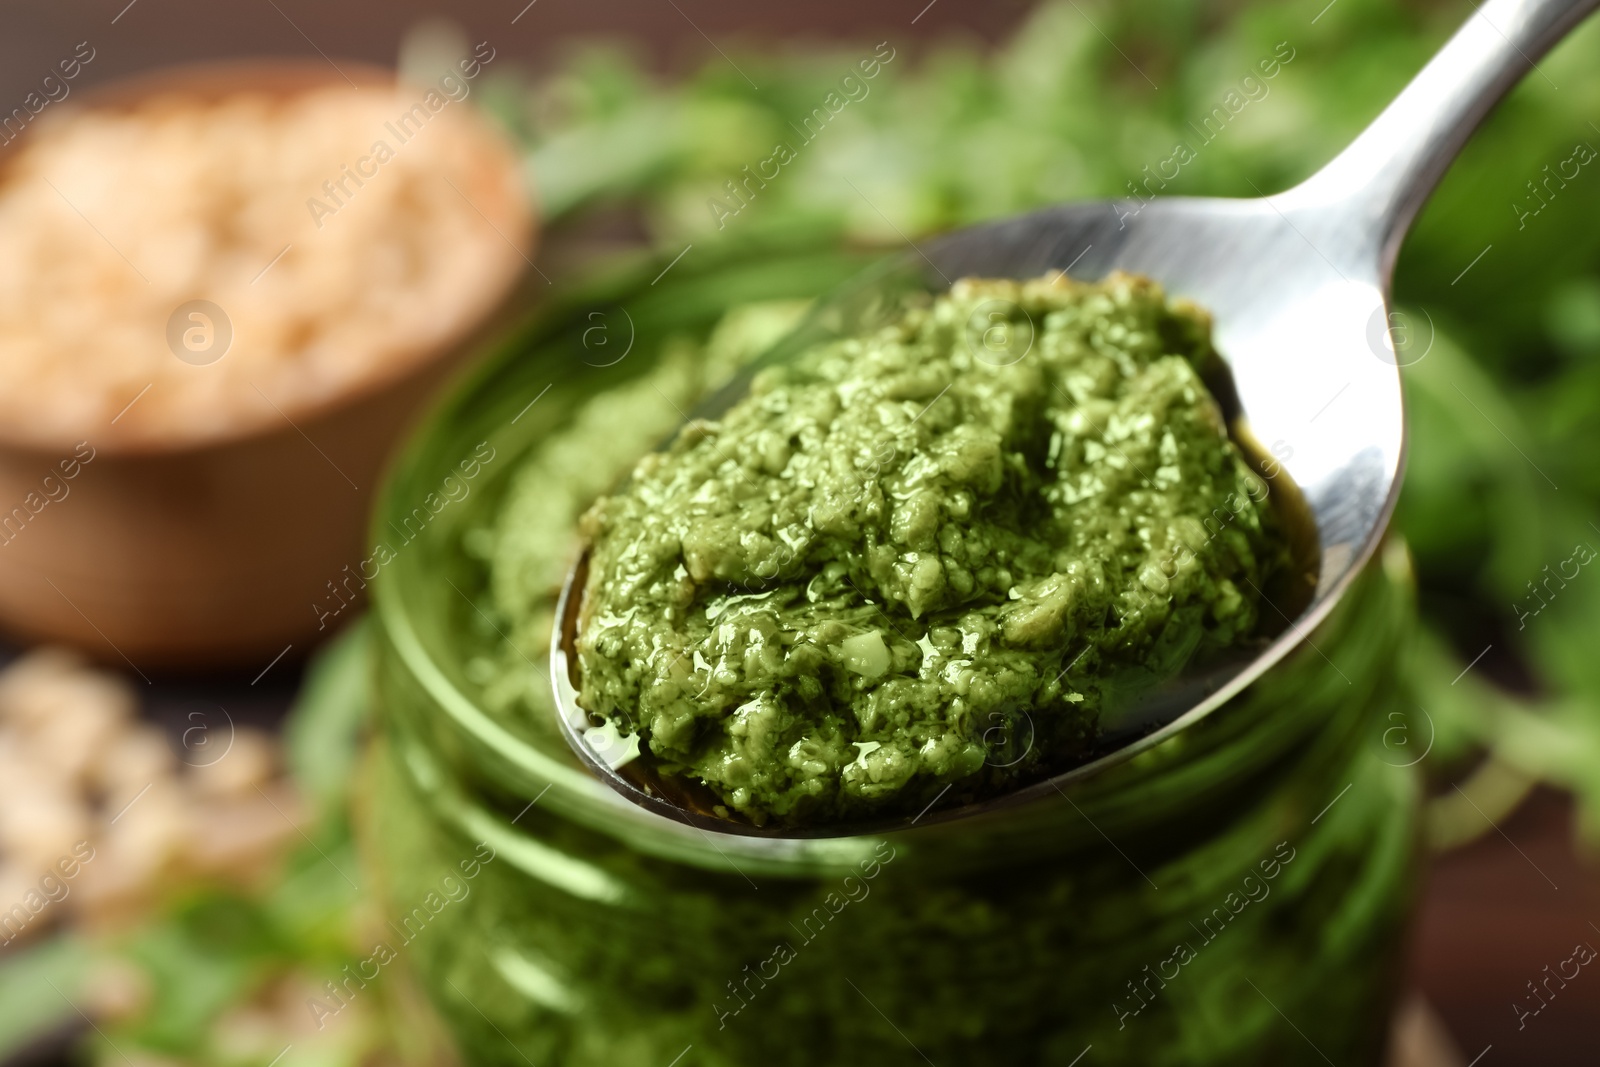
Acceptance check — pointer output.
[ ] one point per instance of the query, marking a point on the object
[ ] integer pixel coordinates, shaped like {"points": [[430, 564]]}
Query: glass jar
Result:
{"points": [[1236, 894]]}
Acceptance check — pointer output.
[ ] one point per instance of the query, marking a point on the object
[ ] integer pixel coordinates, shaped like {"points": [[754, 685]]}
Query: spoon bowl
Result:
{"points": [[1298, 287]]}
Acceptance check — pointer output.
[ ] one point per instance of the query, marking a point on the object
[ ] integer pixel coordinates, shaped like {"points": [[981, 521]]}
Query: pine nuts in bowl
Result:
{"points": [[224, 290]]}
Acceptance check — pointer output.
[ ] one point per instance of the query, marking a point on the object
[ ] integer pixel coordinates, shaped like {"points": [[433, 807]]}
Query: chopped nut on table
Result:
{"points": [[99, 817]]}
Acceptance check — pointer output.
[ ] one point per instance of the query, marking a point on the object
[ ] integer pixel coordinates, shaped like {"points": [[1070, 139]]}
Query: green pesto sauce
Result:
{"points": [[531, 538], [919, 558]]}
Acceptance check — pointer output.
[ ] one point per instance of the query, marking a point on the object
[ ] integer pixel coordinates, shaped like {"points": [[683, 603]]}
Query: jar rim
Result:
{"points": [[474, 402]]}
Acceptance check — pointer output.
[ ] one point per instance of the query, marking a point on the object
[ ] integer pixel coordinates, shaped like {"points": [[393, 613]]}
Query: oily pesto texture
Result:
{"points": [[946, 552], [528, 542]]}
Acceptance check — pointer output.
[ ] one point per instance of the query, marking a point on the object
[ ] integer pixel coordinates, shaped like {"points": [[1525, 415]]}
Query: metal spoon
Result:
{"points": [[1298, 284]]}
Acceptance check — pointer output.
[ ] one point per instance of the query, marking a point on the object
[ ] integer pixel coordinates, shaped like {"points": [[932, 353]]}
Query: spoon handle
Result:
{"points": [[1375, 187]]}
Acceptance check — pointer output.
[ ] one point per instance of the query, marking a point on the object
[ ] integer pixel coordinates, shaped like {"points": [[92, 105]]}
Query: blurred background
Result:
{"points": [[229, 723]]}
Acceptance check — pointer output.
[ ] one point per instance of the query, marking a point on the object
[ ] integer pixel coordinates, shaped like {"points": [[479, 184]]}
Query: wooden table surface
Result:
{"points": [[1495, 914], [34, 34]]}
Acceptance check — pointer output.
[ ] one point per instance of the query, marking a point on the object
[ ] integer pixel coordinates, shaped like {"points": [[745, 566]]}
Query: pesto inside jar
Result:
{"points": [[937, 557]]}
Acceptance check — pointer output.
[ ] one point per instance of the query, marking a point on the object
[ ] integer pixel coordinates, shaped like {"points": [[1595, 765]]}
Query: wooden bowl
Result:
{"points": [[234, 548]]}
